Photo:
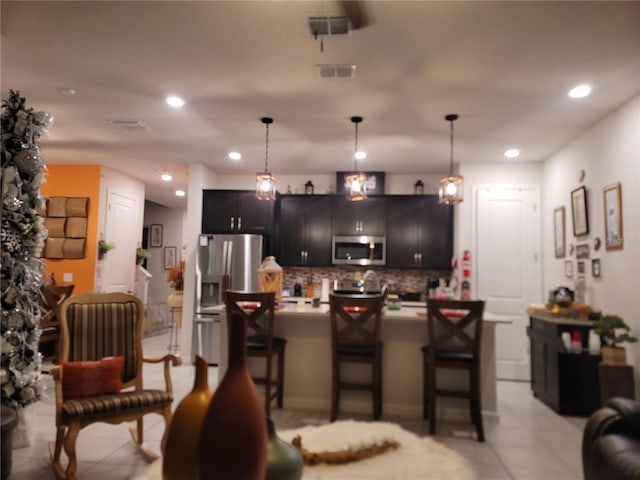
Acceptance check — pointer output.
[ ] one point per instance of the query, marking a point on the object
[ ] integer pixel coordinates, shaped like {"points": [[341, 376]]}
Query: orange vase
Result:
{"points": [[233, 438], [180, 453]]}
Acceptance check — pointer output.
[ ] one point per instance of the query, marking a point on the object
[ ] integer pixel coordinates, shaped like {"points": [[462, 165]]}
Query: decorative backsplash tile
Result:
{"points": [[407, 281]]}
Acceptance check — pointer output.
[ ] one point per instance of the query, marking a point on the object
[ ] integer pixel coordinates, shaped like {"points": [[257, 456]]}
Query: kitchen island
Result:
{"points": [[307, 384]]}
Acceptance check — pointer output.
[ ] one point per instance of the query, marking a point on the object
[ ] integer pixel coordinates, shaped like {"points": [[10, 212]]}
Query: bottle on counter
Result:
{"points": [[309, 289]]}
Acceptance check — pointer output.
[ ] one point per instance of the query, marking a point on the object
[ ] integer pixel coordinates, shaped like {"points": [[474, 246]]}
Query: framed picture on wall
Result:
{"points": [[558, 228], [568, 268], [579, 212], [613, 216], [155, 236], [170, 260], [595, 268]]}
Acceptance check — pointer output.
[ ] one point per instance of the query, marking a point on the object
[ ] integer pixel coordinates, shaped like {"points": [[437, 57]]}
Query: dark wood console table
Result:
{"points": [[567, 382]]}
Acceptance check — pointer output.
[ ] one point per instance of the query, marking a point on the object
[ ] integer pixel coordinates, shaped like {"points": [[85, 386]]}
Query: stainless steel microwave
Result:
{"points": [[359, 250]]}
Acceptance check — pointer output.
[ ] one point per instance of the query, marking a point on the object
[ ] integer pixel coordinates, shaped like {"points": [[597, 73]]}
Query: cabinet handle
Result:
{"points": [[232, 223], [419, 259], [306, 257], [302, 257], [239, 223], [415, 259]]}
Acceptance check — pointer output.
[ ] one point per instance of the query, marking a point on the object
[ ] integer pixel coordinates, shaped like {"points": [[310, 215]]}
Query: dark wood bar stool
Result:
{"points": [[355, 338], [258, 311], [454, 332]]}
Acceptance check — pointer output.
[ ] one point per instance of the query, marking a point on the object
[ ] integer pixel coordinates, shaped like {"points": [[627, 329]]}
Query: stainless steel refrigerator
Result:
{"points": [[223, 262]]}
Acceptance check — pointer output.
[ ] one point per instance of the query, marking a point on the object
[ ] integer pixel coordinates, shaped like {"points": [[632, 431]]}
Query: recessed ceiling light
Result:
{"points": [[166, 177], [235, 156], [512, 153], [175, 102], [580, 91], [180, 193], [360, 155]]}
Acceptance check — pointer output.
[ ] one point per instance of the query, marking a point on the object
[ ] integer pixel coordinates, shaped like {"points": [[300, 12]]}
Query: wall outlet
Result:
{"points": [[67, 277]]}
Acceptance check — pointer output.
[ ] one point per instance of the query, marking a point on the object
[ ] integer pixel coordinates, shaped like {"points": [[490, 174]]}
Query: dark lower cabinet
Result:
{"points": [[567, 382]]}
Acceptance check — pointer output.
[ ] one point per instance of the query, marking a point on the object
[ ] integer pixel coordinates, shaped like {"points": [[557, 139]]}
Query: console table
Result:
{"points": [[567, 382]]}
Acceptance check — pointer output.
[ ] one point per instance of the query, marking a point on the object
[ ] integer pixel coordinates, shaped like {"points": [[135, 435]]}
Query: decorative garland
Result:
{"points": [[23, 236]]}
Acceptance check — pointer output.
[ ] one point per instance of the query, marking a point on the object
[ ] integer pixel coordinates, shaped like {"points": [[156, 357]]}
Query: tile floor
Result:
{"points": [[529, 441]]}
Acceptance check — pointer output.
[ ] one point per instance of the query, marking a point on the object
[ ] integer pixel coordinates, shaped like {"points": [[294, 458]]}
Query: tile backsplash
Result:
{"points": [[402, 280]]}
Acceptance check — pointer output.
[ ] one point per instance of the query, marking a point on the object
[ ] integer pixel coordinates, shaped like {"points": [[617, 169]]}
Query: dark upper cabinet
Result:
{"points": [[419, 232], [236, 211], [366, 217], [305, 230]]}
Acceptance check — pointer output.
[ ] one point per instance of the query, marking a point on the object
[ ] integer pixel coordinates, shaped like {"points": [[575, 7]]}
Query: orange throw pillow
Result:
{"points": [[85, 379]]}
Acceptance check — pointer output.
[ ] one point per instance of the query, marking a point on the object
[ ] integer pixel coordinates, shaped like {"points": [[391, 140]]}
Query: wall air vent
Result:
{"points": [[340, 70], [328, 26], [130, 125]]}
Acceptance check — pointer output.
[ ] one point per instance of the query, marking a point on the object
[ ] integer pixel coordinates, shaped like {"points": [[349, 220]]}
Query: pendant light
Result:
{"points": [[355, 183], [265, 182], [451, 191]]}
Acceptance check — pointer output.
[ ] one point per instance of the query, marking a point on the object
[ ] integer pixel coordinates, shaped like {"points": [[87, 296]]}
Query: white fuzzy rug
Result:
{"points": [[416, 458]]}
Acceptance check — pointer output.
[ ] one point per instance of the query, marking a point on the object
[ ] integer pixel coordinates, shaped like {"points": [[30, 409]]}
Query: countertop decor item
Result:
{"points": [[180, 454], [284, 461], [233, 439]]}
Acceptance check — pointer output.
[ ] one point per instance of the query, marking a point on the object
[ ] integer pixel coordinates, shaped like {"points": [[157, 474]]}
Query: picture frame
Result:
{"points": [[568, 268], [559, 232], [596, 268], [374, 181], [581, 267], [613, 216], [582, 251], [169, 257], [579, 212], [155, 236]]}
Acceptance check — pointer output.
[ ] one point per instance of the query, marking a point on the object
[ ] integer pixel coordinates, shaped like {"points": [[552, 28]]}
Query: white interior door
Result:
{"points": [[121, 229], [508, 266]]}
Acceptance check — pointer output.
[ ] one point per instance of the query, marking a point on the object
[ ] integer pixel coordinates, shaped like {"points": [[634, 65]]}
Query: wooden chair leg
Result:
{"points": [[425, 390], [477, 404], [432, 399], [334, 391], [280, 379], [70, 450], [267, 389], [55, 450], [137, 433]]}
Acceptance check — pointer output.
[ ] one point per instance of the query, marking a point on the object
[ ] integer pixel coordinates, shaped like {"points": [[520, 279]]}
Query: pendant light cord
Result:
{"points": [[355, 153], [266, 121], [452, 117], [266, 151]]}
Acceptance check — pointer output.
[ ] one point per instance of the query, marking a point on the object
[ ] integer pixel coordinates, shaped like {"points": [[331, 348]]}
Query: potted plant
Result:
{"points": [[141, 255], [613, 331], [103, 248]]}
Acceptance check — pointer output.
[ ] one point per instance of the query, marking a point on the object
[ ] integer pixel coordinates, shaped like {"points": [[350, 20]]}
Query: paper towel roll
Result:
{"points": [[324, 292]]}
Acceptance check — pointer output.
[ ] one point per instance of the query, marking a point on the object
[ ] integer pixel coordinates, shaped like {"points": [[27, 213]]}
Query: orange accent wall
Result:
{"points": [[76, 181]]}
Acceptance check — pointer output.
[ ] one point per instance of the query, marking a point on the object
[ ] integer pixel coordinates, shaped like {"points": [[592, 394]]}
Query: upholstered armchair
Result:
{"points": [[99, 377]]}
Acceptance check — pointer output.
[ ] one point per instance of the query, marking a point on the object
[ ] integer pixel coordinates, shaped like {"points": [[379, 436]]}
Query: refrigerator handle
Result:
{"points": [[229, 256]]}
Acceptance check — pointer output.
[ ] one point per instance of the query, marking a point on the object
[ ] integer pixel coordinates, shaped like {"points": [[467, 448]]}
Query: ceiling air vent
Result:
{"points": [[130, 125], [328, 25], [340, 70]]}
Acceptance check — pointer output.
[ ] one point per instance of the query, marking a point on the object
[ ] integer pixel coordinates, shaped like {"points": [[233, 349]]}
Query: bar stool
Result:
{"points": [[355, 338], [258, 311], [454, 332]]}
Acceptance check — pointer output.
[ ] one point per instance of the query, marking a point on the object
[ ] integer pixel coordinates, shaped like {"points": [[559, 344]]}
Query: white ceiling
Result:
{"points": [[504, 67]]}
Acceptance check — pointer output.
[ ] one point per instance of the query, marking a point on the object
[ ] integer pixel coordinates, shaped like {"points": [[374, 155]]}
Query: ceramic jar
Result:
{"points": [[180, 453], [233, 439]]}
